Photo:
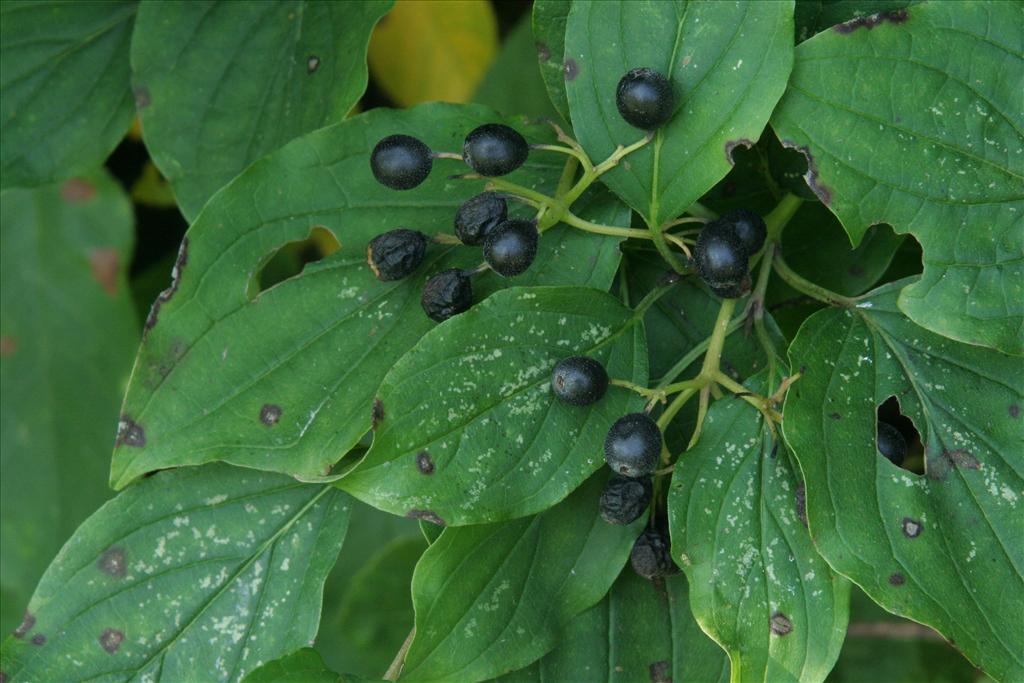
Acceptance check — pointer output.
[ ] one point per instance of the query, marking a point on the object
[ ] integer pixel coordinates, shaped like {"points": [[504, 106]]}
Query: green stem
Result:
{"points": [[651, 297], [565, 182], [807, 287], [665, 419], [713, 357], [513, 188], [695, 353], [780, 215], [701, 211], [582, 224]]}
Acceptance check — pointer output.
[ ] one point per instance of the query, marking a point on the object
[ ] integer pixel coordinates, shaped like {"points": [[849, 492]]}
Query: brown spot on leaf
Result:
{"points": [[312, 64], [897, 579], [572, 69], [378, 412], [105, 263], [423, 463], [27, 622], [660, 672], [142, 98], [812, 176], [801, 503], [896, 16], [835, 416], [165, 296], [77, 190], [3, 677], [911, 527], [1015, 411], [962, 458], [270, 414], [112, 562], [129, 433], [780, 624], [731, 145], [8, 345], [543, 53], [111, 639], [425, 515], [39, 639]]}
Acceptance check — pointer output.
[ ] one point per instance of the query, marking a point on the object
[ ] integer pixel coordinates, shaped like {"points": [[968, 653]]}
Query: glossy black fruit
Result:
{"points": [[645, 99], [633, 445], [479, 216], [624, 499], [579, 380], [748, 227], [736, 291], [651, 556], [401, 162], [396, 253], [448, 293], [891, 443], [494, 149], [510, 248], [721, 259]]}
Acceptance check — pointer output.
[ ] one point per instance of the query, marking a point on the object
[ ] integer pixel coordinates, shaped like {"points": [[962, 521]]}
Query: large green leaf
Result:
{"points": [[943, 548], [472, 432], [641, 631], [194, 574], [549, 17], [493, 598], [511, 85], [759, 587], [65, 98], [728, 63], [301, 666], [812, 16], [284, 380], [940, 160], [67, 330], [221, 84]]}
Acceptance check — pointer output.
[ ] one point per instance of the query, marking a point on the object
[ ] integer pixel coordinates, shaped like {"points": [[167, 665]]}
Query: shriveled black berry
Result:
{"points": [[645, 99], [396, 253], [401, 162], [479, 216], [736, 291], [494, 149], [510, 248], [749, 229], [448, 293], [633, 445], [624, 499], [891, 443], [721, 259], [651, 556], [579, 380]]}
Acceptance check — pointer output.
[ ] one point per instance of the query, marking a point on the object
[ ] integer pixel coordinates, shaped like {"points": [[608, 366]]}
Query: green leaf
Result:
{"points": [[513, 86], [548, 19], [941, 548], [641, 631], [759, 588], [193, 574], [939, 160], [301, 666], [284, 380], [472, 432], [67, 330], [219, 85], [64, 87], [728, 63], [517, 585]]}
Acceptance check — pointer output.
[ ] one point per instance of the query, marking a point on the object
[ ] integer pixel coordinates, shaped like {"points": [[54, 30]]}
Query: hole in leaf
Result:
{"points": [[907, 261], [289, 260], [896, 433]]}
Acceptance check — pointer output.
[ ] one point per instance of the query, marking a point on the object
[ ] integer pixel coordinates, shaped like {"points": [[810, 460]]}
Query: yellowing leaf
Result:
{"points": [[425, 50]]}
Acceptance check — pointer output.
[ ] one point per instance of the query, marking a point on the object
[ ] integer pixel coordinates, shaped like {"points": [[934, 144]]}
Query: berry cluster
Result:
{"points": [[401, 162], [723, 251], [632, 448]]}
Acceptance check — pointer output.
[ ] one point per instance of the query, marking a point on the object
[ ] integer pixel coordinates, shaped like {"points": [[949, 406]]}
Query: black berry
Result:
{"points": [[651, 556], [645, 99], [633, 445], [511, 247], [448, 293], [736, 291], [891, 443], [579, 380], [479, 216], [748, 227], [494, 149], [396, 253], [720, 257], [624, 499], [401, 162]]}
